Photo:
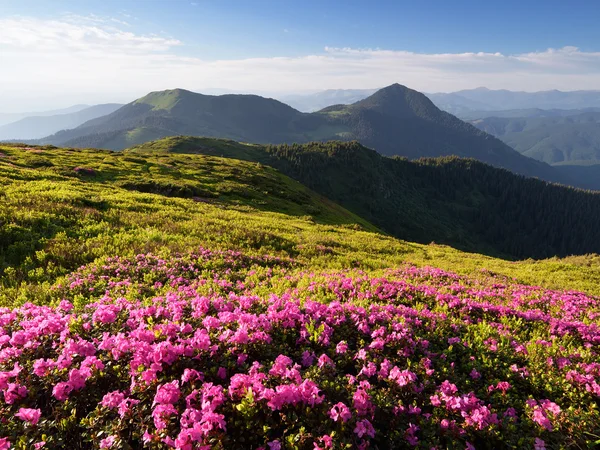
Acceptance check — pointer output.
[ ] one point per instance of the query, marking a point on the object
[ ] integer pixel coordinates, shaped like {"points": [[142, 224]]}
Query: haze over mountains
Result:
{"points": [[484, 99], [557, 139], [323, 99], [38, 126], [6, 118]]}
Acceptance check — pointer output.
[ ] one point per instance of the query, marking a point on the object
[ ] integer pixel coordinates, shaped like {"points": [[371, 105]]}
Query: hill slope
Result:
{"points": [[62, 208], [549, 139], [400, 121], [137, 310], [36, 127], [394, 121], [454, 201], [242, 117]]}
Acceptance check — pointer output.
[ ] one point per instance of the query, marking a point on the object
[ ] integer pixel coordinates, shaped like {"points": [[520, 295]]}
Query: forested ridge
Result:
{"points": [[450, 200]]}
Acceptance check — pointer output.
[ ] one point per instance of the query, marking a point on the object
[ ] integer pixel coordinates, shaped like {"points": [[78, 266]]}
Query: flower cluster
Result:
{"points": [[225, 351]]}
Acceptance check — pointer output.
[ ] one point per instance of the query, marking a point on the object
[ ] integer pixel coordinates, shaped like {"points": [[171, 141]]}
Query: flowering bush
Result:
{"points": [[219, 350]]}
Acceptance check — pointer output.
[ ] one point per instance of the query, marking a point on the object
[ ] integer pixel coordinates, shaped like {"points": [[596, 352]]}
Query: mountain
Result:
{"points": [[484, 99], [471, 115], [319, 100], [557, 139], [36, 127], [399, 121], [174, 112], [454, 201], [6, 118], [394, 121]]}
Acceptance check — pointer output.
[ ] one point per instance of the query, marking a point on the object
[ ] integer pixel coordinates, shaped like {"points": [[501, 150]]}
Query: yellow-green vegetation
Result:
{"points": [[62, 208]]}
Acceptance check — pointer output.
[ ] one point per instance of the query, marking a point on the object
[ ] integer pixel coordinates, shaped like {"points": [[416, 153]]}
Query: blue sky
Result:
{"points": [[254, 28], [116, 50]]}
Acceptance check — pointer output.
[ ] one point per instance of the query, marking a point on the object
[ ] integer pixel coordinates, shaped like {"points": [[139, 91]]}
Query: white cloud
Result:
{"points": [[94, 59]]}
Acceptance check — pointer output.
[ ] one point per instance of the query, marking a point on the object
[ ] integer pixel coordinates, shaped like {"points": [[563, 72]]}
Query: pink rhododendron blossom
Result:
{"points": [[364, 428], [340, 411], [29, 415]]}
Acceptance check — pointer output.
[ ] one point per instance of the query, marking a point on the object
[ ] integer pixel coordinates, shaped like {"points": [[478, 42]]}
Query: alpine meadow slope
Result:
{"points": [[164, 300], [459, 202], [157, 299]]}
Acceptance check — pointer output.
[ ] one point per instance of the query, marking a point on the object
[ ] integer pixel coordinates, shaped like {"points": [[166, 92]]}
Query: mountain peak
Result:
{"points": [[399, 101], [164, 99]]}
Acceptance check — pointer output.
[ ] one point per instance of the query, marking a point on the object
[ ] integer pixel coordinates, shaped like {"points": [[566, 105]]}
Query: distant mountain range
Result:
{"points": [[552, 139], [466, 104], [394, 121], [527, 113], [13, 117], [319, 100], [38, 126], [483, 99]]}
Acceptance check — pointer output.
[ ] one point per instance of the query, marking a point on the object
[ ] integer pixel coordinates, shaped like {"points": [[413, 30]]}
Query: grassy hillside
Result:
{"points": [[453, 201], [63, 208], [188, 299]]}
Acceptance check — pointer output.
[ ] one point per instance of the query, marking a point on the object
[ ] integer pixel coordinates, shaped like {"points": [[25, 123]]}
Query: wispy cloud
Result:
{"points": [[74, 55]]}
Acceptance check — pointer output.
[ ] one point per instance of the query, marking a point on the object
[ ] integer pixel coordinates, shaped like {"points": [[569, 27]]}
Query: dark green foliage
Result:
{"points": [[460, 202]]}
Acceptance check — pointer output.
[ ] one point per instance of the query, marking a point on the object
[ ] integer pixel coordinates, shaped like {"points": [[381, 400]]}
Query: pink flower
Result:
{"points": [[327, 441], [191, 375], [29, 415], [108, 442], [364, 427], [104, 314], [160, 413], [324, 361], [61, 391], [340, 411], [341, 348], [274, 445], [168, 393], [4, 444], [14, 392], [550, 406], [503, 386], [542, 420], [112, 399], [539, 444], [402, 378], [41, 367]]}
